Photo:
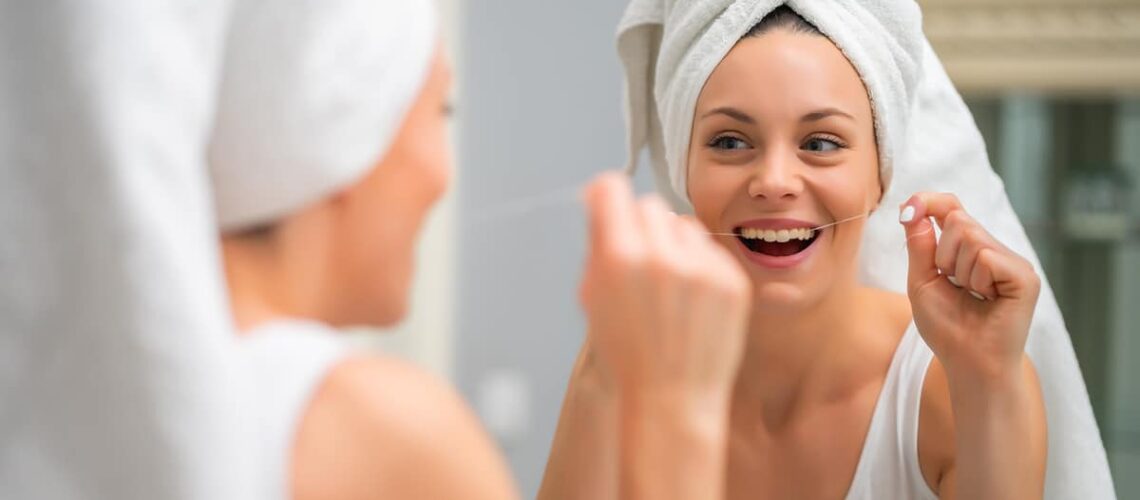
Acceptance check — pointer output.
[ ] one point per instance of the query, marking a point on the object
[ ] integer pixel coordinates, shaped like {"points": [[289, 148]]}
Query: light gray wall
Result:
{"points": [[539, 109]]}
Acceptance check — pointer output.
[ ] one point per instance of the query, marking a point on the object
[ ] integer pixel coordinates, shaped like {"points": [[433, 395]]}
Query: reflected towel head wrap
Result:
{"points": [[313, 93], [928, 141]]}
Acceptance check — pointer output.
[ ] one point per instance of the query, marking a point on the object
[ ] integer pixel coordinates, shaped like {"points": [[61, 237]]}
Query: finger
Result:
{"points": [[974, 240], [1012, 276], [656, 224], [939, 205], [715, 259], [696, 235], [949, 246], [921, 243], [690, 231], [965, 264], [982, 279], [612, 215]]}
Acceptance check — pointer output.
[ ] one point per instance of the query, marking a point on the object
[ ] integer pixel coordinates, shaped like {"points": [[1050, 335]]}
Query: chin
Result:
{"points": [[390, 318], [391, 308], [381, 294], [381, 305]]}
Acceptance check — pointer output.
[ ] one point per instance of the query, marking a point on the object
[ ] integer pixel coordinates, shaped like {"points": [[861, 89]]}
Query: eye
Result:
{"points": [[822, 145], [728, 142]]}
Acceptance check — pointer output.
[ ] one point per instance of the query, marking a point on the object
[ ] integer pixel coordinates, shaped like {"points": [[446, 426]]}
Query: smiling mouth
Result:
{"points": [[776, 242]]}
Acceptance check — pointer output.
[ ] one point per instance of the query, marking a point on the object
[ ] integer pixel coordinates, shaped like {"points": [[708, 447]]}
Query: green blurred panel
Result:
{"points": [[1070, 166]]}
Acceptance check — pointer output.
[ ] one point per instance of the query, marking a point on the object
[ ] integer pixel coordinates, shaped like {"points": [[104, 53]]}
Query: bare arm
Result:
{"points": [[973, 301], [1001, 436], [666, 310], [673, 447], [584, 456], [654, 443]]}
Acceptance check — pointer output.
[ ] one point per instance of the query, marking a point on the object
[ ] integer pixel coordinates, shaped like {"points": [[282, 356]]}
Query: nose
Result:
{"points": [[776, 177]]}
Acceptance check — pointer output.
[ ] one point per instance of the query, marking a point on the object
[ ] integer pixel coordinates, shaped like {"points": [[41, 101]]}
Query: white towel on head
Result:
{"points": [[313, 92], [927, 139]]}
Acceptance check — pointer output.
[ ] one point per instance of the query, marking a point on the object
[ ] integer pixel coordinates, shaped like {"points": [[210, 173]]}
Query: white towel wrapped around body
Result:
{"points": [[927, 141]]}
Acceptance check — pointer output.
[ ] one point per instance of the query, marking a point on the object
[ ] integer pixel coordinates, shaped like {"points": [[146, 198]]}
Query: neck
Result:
{"points": [[791, 354], [256, 283]]}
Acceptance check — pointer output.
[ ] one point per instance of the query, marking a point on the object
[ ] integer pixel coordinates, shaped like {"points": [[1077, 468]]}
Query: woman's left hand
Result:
{"points": [[972, 298]]}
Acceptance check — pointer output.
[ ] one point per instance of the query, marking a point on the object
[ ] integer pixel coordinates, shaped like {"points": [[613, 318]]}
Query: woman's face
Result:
{"points": [[783, 141], [380, 218]]}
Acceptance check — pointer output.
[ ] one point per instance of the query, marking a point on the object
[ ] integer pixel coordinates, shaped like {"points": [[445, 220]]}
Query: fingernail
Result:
{"points": [[907, 214], [954, 281], [978, 296]]}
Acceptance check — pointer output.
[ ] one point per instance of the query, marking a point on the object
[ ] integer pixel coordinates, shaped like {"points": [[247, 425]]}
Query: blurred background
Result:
{"points": [[1054, 86]]}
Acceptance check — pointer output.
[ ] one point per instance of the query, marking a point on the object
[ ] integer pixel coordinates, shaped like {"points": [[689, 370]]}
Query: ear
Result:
{"points": [[879, 191], [341, 198], [348, 195], [877, 198]]}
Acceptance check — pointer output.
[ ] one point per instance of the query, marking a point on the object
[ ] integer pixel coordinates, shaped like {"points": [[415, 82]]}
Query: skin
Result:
{"points": [[783, 129]]}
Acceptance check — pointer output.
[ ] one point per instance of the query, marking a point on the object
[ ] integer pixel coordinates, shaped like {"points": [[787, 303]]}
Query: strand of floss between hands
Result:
{"points": [[572, 194]]}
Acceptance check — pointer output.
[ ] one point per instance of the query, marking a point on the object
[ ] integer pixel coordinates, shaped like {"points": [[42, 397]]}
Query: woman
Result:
{"points": [[329, 150], [845, 390]]}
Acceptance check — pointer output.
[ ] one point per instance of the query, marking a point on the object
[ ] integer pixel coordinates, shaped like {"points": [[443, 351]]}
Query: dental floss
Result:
{"points": [[570, 194], [526, 204]]}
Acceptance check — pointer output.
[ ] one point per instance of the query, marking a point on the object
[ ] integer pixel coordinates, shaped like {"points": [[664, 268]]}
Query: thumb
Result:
{"points": [[921, 243]]}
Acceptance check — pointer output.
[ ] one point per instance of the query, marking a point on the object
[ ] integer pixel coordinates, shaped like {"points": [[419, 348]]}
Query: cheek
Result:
{"points": [[711, 190], [849, 189], [387, 221], [871, 178]]}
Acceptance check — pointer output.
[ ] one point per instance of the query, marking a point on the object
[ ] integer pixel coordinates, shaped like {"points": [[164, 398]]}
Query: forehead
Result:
{"points": [[789, 71]]}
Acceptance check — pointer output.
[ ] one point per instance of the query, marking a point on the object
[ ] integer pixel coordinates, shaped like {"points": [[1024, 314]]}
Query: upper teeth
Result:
{"points": [[777, 235]]}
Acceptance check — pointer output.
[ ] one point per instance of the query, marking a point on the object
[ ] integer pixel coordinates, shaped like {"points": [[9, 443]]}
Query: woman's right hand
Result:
{"points": [[666, 305]]}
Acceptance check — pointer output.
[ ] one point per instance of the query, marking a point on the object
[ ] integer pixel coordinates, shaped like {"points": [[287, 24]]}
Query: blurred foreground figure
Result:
{"points": [[117, 372]]}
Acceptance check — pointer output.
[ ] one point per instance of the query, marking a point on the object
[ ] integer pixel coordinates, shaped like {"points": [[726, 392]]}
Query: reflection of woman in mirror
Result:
{"points": [[843, 389]]}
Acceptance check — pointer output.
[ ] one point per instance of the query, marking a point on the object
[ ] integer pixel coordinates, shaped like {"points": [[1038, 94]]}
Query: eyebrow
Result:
{"points": [[731, 112], [820, 114], [741, 116]]}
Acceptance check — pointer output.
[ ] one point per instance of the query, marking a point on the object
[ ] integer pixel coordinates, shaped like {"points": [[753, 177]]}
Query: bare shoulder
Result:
{"points": [[890, 312], [380, 427]]}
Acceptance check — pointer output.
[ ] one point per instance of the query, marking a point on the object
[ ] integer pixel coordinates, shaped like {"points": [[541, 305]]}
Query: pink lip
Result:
{"points": [[771, 261]]}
